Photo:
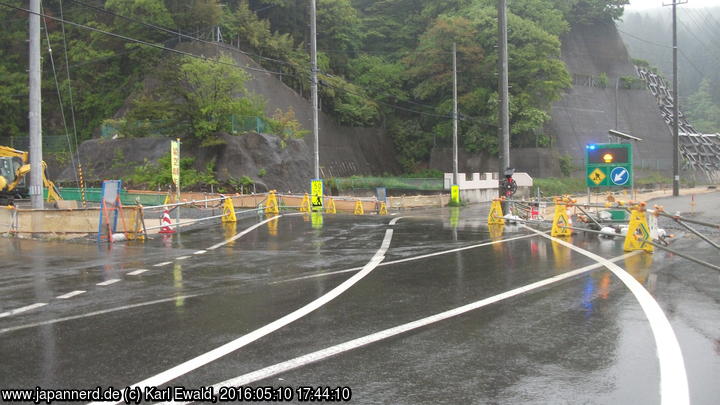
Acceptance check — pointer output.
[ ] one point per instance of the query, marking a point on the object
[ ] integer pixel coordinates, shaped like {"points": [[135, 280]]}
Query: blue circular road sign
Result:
{"points": [[619, 176]]}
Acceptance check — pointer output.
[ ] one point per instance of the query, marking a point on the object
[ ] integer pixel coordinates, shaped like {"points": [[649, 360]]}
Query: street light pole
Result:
{"points": [[455, 118], [504, 114], [314, 85], [35, 108]]}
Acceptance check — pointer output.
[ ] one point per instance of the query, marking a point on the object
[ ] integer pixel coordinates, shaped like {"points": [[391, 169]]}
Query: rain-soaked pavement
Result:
{"points": [[583, 339]]}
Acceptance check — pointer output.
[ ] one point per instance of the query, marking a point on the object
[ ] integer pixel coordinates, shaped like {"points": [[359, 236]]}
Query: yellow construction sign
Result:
{"points": [[560, 221], [597, 176], [495, 217], [455, 194], [175, 161], [305, 204], [271, 204], [638, 232], [228, 211], [316, 188], [359, 208]]}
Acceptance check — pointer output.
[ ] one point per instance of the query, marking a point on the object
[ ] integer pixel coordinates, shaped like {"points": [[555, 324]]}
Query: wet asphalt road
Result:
{"points": [[581, 340]]}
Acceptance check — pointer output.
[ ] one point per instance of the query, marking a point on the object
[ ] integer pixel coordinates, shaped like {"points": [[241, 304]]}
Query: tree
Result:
{"points": [[703, 110], [199, 96]]}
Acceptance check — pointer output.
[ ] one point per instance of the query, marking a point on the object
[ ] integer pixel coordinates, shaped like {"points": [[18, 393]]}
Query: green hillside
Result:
{"points": [[384, 63]]}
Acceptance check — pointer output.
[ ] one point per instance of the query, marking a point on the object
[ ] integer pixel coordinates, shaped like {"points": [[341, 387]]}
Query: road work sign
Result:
{"points": [[608, 165], [316, 199]]}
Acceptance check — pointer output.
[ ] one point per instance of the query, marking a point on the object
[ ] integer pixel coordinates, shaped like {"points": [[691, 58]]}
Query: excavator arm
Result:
{"points": [[22, 171]]}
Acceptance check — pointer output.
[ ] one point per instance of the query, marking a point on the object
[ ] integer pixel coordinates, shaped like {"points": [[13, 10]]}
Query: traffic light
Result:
{"points": [[607, 155]]}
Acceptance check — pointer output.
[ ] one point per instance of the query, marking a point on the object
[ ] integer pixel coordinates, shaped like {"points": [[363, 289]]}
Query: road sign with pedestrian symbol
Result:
{"points": [[608, 165], [597, 176], [316, 199]]}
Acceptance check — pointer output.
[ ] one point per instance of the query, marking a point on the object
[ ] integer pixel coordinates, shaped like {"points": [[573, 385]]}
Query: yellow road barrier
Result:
{"points": [[359, 208], [495, 217], [229, 211], [638, 232]]}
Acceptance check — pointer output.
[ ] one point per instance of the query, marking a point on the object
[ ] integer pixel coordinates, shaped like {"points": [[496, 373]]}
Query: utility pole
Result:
{"points": [[455, 117], [314, 84], [35, 115], [504, 114], [676, 102]]}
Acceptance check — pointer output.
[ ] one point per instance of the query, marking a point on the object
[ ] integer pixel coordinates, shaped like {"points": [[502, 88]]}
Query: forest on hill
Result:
{"points": [[382, 63], [648, 35]]}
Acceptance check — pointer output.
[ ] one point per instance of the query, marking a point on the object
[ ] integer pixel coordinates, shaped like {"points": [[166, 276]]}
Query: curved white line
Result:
{"points": [[388, 333], [248, 230], [236, 344], [673, 378], [407, 259]]}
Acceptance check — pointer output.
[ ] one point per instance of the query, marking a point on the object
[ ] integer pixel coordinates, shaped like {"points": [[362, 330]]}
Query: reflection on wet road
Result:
{"points": [[435, 308]]}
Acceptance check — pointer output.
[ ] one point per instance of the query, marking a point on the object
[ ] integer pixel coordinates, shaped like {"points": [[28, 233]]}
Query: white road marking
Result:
{"points": [[395, 220], [248, 230], [162, 264], [388, 333], [673, 378], [199, 252], [95, 313], [408, 259], [71, 294], [181, 257], [22, 309], [108, 282], [137, 272], [236, 344]]}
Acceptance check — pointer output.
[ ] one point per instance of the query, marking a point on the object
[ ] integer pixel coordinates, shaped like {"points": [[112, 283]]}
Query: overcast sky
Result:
{"points": [[646, 4]]}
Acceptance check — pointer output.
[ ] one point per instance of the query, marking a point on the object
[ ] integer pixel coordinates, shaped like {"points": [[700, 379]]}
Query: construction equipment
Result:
{"points": [[14, 166]]}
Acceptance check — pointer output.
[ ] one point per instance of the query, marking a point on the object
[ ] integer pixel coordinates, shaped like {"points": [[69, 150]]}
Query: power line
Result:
{"points": [[172, 32], [130, 39], [644, 40]]}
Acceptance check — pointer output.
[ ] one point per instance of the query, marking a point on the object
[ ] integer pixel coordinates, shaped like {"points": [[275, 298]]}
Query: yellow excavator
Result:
{"points": [[14, 166]]}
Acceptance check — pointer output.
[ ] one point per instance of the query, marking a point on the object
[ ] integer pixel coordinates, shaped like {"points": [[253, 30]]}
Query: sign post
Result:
{"points": [[175, 168], [608, 165], [316, 199]]}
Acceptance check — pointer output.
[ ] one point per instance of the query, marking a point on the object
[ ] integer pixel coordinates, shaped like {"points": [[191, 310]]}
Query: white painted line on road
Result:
{"points": [[408, 259], [71, 294], [673, 378], [95, 313], [395, 220], [162, 264], [199, 252], [137, 272], [248, 230], [388, 333], [22, 309], [181, 257], [108, 282], [236, 344]]}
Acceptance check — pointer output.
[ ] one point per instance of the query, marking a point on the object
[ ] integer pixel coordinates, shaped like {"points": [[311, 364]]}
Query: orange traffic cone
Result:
{"points": [[166, 222]]}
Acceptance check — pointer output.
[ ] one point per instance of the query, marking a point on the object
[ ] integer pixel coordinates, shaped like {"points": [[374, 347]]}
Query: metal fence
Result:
{"points": [[93, 195], [50, 143]]}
